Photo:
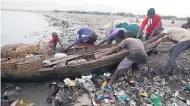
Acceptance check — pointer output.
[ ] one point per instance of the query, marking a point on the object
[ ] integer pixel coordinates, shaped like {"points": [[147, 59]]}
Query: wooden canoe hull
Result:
{"points": [[68, 70]]}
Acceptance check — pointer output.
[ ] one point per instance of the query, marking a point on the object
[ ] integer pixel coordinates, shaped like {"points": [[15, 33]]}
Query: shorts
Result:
{"points": [[137, 58]]}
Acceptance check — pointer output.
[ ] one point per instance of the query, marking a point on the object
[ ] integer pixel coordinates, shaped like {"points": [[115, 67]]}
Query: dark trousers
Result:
{"points": [[92, 39], [174, 53]]}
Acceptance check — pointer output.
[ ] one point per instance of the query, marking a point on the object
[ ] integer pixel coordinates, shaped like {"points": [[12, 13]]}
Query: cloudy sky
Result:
{"points": [[164, 7]]}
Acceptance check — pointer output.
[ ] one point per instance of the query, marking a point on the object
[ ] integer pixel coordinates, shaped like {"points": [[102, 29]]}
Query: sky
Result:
{"points": [[163, 7]]}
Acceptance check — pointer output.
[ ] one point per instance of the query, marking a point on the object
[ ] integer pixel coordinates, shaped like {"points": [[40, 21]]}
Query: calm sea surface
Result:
{"points": [[23, 27]]}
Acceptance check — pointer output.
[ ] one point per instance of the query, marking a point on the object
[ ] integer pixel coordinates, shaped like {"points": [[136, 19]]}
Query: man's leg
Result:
{"points": [[124, 64], [135, 68], [54, 47], [180, 46]]}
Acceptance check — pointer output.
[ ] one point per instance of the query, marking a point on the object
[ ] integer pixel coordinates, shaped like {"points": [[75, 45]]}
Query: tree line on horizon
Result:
{"points": [[119, 14], [103, 13]]}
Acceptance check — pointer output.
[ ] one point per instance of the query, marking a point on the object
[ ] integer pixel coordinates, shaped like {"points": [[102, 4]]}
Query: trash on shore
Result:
{"points": [[153, 91]]}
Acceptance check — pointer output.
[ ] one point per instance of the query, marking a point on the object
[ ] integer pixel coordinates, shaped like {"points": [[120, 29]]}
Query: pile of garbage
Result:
{"points": [[69, 28], [148, 90]]}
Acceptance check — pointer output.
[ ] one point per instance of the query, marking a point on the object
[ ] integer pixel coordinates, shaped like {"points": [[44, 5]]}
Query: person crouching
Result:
{"points": [[86, 37]]}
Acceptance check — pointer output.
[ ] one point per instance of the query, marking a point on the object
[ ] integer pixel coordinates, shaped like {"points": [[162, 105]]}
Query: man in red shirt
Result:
{"points": [[153, 22], [53, 42]]}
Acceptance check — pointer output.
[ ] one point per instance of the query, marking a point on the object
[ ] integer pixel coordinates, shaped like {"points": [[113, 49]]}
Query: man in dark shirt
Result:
{"points": [[86, 36]]}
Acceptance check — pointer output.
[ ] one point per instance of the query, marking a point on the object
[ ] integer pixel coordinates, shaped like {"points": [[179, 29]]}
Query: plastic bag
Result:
{"points": [[60, 55], [69, 82]]}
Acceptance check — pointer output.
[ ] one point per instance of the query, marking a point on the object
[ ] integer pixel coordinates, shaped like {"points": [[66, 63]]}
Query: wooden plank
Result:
{"points": [[88, 49], [62, 60]]}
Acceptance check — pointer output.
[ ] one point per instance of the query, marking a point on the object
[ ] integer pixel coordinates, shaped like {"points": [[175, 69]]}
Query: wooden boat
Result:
{"points": [[53, 71]]}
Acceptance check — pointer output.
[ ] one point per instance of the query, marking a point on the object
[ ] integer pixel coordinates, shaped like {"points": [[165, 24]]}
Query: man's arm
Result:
{"points": [[158, 22], [102, 42], [109, 42], [153, 32], [155, 38], [111, 51], [65, 50], [73, 44], [109, 39], [142, 27], [156, 27], [139, 33]]}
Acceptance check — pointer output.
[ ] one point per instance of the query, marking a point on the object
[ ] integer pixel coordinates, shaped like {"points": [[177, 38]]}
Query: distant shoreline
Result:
{"points": [[97, 13], [24, 10]]}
